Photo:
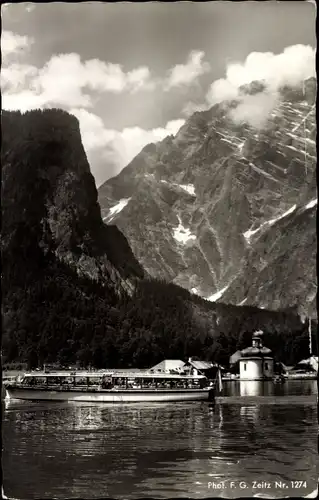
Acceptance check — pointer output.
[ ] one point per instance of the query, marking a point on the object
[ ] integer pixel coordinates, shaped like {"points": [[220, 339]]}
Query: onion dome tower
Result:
{"points": [[256, 362]]}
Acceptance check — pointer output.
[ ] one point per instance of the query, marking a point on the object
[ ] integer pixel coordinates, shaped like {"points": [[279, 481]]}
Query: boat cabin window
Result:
{"points": [[80, 381], [34, 380], [28, 380], [53, 381], [67, 381]]}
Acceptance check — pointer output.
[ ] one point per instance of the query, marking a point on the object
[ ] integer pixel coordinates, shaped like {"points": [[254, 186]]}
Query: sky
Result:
{"points": [[133, 72]]}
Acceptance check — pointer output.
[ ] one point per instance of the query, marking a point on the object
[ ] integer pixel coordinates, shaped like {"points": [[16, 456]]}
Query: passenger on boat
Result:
{"points": [[106, 384], [136, 386]]}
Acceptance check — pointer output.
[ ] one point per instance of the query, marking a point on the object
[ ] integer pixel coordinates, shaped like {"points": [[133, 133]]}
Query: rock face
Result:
{"points": [[50, 207], [222, 208], [279, 270]]}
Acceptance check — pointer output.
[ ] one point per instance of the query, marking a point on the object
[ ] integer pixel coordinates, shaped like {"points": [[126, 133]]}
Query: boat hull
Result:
{"points": [[110, 396]]}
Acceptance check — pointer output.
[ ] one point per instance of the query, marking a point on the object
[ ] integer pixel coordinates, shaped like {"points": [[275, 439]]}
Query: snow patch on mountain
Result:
{"points": [[190, 188], [242, 302], [312, 203], [293, 148], [248, 234], [226, 139], [311, 141], [262, 172], [116, 209], [182, 234], [304, 119], [217, 295]]}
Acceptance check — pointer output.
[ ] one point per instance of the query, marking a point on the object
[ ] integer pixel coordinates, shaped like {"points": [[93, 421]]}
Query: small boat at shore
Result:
{"points": [[97, 387]]}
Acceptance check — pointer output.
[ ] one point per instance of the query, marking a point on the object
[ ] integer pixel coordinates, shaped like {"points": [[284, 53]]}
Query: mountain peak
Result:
{"points": [[243, 173]]}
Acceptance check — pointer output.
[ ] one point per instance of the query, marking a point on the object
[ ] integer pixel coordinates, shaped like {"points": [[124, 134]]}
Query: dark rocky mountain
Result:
{"points": [[225, 209], [50, 206]]}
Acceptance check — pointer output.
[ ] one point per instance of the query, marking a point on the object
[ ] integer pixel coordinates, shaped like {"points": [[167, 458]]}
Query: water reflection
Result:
{"points": [[268, 388], [250, 413], [164, 451], [256, 388]]}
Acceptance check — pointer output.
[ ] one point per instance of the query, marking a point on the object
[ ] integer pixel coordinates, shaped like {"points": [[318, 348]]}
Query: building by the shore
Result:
{"points": [[256, 362], [192, 366], [307, 365]]}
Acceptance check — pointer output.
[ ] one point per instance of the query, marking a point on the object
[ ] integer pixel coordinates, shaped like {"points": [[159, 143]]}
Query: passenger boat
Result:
{"points": [[110, 387]]}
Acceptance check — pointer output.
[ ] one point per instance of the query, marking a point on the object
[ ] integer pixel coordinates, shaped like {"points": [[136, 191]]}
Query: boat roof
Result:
{"points": [[116, 374]]}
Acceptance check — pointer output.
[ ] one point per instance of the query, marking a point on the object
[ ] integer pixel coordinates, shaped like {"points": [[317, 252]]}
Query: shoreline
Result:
{"points": [[285, 378]]}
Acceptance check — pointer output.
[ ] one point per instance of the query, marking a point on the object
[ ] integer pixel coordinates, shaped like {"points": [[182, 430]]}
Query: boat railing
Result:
{"points": [[51, 383]]}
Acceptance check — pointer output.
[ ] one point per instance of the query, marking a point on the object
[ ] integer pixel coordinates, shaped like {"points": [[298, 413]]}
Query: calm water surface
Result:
{"points": [[77, 450]]}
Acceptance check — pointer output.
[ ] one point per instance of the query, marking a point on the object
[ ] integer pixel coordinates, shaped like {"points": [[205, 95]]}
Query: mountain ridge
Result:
{"points": [[191, 201]]}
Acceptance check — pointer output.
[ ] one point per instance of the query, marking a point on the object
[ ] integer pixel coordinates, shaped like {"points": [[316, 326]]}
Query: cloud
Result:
{"points": [[23, 101], [112, 149], [192, 107], [222, 90], [255, 109], [13, 45], [17, 76], [65, 80], [62, 81], [291, 67], [295, 64], [94, 134], [109, 77], [129, 142], [187, 74], [140, 79]]}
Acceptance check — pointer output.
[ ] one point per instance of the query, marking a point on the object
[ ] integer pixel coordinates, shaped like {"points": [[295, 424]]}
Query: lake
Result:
{"points": [[77, 450]]}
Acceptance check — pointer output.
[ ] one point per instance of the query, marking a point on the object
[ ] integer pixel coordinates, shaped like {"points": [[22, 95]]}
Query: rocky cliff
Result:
{"points": [[219, 207], [50, 203]]}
